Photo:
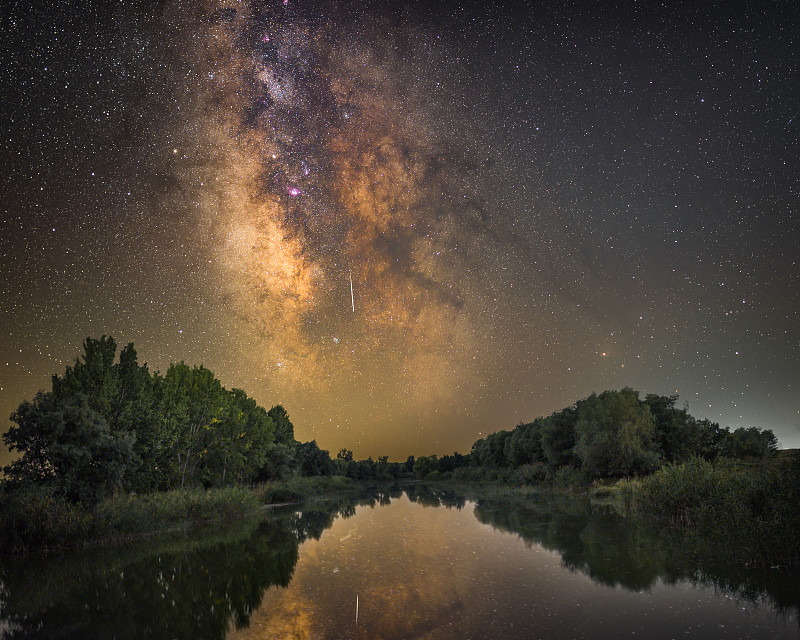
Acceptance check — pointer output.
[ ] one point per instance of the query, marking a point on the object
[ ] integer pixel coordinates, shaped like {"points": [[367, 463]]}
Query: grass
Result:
{"points": [[35, 518], [302, 488], [747, 513]]}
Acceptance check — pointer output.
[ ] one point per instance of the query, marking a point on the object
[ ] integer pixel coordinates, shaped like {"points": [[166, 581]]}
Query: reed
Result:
{"points": [[747, 514], [35, 518], [301, 488]]}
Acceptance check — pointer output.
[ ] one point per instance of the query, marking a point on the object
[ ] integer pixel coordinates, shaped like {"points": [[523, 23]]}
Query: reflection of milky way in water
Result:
{"points": [[436, 573], [320, 159]]}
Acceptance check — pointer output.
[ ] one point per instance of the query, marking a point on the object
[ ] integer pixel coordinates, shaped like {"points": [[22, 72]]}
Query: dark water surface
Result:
{"points": [[422, 564]]}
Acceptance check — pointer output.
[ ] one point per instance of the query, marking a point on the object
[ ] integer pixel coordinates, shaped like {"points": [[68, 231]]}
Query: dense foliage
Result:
{"points": [[615, 434], [741, 513], [111, 426], [108, 426]]}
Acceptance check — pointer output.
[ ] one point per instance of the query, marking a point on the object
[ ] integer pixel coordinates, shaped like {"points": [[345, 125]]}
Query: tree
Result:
{"points": [[750, 442], [558, 437], [95, 377], [68, 446], [122, 394], [425, 465], [525, 444], [194, 405], [614, 434], [279, 460], [236, 448], [284, 430], [313, 461]]}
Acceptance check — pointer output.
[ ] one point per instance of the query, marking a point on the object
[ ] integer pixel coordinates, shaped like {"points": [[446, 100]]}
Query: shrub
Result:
{"points": [[745, 514], [36, 517], [535, 473], [568, 478]]}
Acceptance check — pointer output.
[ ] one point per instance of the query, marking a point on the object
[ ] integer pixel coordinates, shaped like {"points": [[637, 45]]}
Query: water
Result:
{"points": [[419, 565]]}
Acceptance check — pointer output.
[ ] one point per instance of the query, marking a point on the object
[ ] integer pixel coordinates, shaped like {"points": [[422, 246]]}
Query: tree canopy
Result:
{"points": [[109, 425], [616, 434]]}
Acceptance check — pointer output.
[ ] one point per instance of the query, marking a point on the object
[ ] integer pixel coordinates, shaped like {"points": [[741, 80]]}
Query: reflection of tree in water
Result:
{"points": [[617, 551], [184, 588], [436, 497], [180, 590]]}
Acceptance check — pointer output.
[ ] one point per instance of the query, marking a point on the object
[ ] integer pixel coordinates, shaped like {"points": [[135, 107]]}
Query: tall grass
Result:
{"points": [[750, 515], [300, 488], [36, 518]]}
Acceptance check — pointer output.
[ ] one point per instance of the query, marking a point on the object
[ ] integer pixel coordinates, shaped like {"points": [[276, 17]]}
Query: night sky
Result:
{"points": [[533, 202]]}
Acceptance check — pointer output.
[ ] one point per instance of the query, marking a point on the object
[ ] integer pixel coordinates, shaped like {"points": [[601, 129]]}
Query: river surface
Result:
{"points": [[416, 564]]}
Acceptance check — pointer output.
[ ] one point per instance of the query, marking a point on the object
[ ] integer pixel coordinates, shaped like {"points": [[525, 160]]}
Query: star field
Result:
{"points": [[533, 203]]}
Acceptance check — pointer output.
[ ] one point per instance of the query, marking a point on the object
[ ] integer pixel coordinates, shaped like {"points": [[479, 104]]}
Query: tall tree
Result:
{"points": [[284, 430], [67, 445], [615, 434], [195, 403], [558, 437]]}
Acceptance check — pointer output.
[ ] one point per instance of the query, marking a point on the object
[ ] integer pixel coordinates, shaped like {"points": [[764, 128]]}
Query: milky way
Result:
{"points": [[320, 156], [532, 203]]}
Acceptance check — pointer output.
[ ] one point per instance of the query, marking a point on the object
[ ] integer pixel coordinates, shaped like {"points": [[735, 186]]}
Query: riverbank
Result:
{"points": [[743, 513], [37, 519]]}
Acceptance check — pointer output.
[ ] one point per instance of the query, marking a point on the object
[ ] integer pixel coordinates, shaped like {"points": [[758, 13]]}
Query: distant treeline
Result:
{"points": [[610, 435], [110, 426]]}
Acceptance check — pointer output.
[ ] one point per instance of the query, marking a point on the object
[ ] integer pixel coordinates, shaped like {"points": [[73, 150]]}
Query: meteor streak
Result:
{"points": [[352, 299]]}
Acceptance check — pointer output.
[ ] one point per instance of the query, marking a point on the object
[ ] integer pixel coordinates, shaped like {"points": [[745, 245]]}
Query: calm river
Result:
{"points": [[420, 564]]}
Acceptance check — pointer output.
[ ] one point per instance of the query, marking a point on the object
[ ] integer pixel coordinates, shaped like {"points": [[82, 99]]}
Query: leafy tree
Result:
{"points": [[195, 403], [558, 437], [679, 436], [750, 442], [279, 461], [96, 377], [525, 444], [122, 394], [343, 461], [313, 461], [365, 469], [425, 465], [284, 430], [236, 448], [68, 446], [614, 434], [382, 465], [450, 463]]}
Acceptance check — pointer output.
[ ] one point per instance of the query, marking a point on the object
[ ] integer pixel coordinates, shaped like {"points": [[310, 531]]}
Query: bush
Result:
{"points": [[300, 488], [535, 474], [689, 492], [36, 517], [469, 474], [568, 478], [745, 514]]}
